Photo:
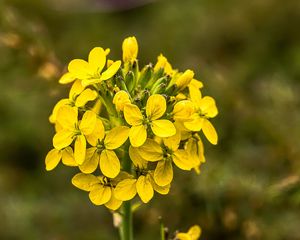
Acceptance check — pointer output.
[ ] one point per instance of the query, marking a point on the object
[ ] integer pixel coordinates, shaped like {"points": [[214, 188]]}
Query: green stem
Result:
{"points": [[162, 230], [127, 232]]}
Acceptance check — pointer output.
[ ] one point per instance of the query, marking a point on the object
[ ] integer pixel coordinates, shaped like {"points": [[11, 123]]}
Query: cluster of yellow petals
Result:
{"points": [[150, 120]]}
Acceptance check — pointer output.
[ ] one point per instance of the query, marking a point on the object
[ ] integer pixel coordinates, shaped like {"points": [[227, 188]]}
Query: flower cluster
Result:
{"points": [[126, 129]]}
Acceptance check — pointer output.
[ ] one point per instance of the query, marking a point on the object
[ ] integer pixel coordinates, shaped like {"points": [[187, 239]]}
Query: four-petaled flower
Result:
{"points": [[102, 150], [91, 72], [72, 128], [155, 109]]}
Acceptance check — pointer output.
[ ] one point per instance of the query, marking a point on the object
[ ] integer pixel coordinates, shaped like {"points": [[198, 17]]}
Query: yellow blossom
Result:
{"points": [[54, 156], [195, 150], [155, 109], [102, 150], [193, 233], [162, 62], [204, 109], [101, 189], [165, 155], [130, 49], [78, 96], [73, 129], [91, 72], [120, 99]]}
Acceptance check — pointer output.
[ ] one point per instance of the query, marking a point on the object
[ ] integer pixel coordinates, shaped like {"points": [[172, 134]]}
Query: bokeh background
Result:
{"points": [[247, 53]]}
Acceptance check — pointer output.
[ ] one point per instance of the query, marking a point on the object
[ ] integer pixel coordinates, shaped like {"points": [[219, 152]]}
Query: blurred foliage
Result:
{"points": [[248, 56]]}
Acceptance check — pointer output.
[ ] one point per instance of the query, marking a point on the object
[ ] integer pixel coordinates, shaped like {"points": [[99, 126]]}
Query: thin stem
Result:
{"points": [[127, 222], [127, 232], [162, 229]]}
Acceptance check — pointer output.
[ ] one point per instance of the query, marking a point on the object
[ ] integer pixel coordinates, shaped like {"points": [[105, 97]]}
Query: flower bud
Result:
{"points": [[162, 62], [184, 79], [130, 49]]}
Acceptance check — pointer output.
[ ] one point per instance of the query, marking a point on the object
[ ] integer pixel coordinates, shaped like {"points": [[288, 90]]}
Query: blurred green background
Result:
{"points": [[247, 53]]}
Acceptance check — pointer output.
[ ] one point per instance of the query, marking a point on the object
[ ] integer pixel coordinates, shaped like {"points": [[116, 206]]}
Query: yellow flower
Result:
{"points": [[78, 96], [102, 150], [72, 129], [165, 154], [184, 79], [91, 72], [101, 189], [120, 99], [54, 156], [144, 185], [155, 109], [194, 233], [162, 63], [195, 149], [183, 110], [130, 49], [204, 108]]}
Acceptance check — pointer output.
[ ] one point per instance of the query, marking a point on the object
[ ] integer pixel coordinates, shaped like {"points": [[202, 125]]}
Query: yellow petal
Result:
{"points": [[194, 232], [91, 161], [80, 69], [136, 158], [173, 142], [116, 137], [85, 181], [121, 99], [163, 128], [113, 203], [52, 159], [97, 107], [67, 117], [111, 71], [183, 236], [100, 194], [210, 132], [151, 151], [192, 151], [137, 135], [156, 106], [97, 134], [57, 106], [68, 157], [109, 163], [163, 173], [75, 90], [195, 95], [97, 59], [66, 78], [196, 83], [164, 190], [181, 160], [79, 149], [62, 139], [183, 110], [86, 96], [208, 107], [88, 122], [126, 189], [133, 115], [195, 124], [144, 188]]}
